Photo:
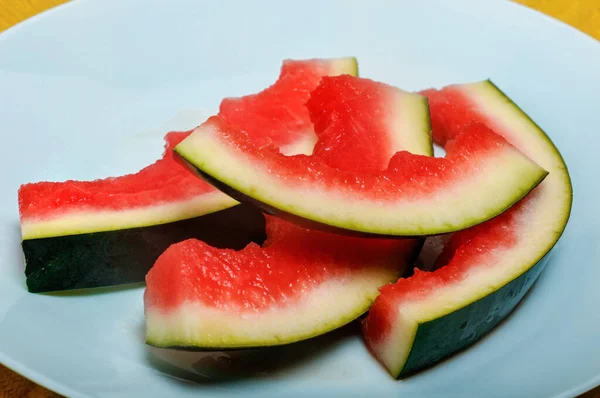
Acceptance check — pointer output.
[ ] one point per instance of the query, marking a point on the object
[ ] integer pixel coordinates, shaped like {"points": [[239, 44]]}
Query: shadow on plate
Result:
{"points": [[213, 367], [16, 253], [94, 290]]}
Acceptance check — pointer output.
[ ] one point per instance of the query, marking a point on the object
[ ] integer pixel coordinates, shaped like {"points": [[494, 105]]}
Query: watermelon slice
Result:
{"points": [[302, 282], [481, 176], [61, 253], [279, 114], [87, 234], [483, 272], [338, 102]]}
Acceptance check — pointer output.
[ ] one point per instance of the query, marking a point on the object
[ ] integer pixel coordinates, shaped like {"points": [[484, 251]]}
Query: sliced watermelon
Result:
{"points": [[50, 209], [80, 234], [481, 176], [279, 114], [302, 282], [338, 102], [483, 272], [76, 258]]}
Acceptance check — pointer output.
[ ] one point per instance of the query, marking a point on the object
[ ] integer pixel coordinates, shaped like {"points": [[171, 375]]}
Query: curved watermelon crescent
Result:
{"points": [[200, 327], [412, 331], [484, 186]]}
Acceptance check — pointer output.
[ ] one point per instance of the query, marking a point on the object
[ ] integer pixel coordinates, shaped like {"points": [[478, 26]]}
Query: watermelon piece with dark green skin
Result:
{"points": [[301, 282], [79, 234], [97, 259], [481, 177], [483, 272], [121, 255]]}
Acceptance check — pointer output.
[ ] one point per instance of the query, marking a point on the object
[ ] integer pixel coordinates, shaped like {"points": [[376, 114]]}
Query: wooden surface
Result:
{"points": [[583, 14]]}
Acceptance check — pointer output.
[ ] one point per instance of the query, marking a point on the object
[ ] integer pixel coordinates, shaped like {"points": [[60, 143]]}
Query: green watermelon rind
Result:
{"points": [[450, 327], [124, 256], [495, 307]]}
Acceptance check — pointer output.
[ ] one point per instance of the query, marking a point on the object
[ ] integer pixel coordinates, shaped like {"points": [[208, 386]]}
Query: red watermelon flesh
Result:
{"points": [[162, 192], [166, 191], [272, 277], [488, 263], [44, 199], [407, 175], [341, 137], [301, 283], [285, 121]]}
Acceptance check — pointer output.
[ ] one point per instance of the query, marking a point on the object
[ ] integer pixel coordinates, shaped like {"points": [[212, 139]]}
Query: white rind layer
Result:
{"points": [[343, 66], [498, 182], [302, 146], [328, 306], [81, 222], [306, 144], [409, 124], [539, 225]]}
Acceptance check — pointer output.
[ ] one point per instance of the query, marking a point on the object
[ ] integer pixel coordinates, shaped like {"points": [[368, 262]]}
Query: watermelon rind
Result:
{"points": [[329, 306], [343, 66], [124, 256], [498, 183], [455, 316]]}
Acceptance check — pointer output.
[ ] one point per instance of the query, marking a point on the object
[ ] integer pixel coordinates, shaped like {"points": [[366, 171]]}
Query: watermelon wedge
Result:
{"points": [[61, 253], [81, 234], [481, 176], [278, 114], [483, 272], [302, 282]]}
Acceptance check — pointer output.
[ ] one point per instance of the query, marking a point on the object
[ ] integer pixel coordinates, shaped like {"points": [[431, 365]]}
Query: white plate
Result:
{"points": [[85, 88]]}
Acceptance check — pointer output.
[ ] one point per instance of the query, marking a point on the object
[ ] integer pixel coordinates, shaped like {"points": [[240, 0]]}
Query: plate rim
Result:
{"points": [[60, 388]]}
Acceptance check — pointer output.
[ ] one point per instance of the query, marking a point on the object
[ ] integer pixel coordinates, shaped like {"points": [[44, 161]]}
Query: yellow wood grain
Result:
{"points": [[582, 14], [15, 11]]}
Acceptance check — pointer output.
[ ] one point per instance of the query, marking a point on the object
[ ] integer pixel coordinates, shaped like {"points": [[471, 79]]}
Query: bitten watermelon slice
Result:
{"points": [[481, 176], [80, 234], [483, 272], [302, 282]]}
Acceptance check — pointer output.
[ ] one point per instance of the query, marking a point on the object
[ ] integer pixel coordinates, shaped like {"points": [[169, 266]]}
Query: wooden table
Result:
{"points": [[582, 14]]}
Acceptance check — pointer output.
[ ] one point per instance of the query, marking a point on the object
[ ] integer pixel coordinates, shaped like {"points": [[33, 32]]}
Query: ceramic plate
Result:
{"points": [[88, 89]]}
